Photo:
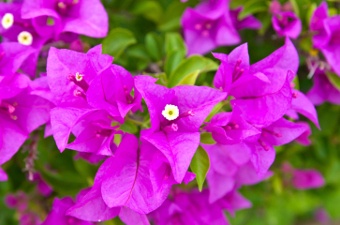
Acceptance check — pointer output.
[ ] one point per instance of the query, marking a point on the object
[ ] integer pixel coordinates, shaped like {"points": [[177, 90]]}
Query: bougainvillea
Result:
{"points": [[168, 112]]}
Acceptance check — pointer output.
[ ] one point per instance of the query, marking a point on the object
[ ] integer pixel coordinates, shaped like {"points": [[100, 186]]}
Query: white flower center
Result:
{"points": [[25, 38], [79, 76], [7, 20], [170, 112]]}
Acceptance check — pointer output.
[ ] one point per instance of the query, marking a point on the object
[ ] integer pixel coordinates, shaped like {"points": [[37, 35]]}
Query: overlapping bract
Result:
{"points": [[86, 98], [212, 24], [21, 112]]}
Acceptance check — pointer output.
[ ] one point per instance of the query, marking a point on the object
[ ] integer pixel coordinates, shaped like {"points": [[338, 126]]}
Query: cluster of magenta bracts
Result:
{"points": [[88, 97], [36, 23]]}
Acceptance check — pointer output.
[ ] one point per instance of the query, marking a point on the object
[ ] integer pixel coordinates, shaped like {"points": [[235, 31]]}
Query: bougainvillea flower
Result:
{"points": [[20, 114], [15, 29], [12, 56], [306, 179], [326, 38], [323, 90], [3, 175], [281, 132], [20, 202], [317, 24], [140, 176], [269, 74], [82, 17], [236, 165], [176, 116], [249, 22], [248, 174], [92, 128], [208, 26], [94, 134], [69, 73], [57, 214], [262, 88], [287, 24], [303, 178], [224, 163], [136, 178], [43, 188], [90, 205], [111, 91], [302, 105], [194, 208], [231, 128]]}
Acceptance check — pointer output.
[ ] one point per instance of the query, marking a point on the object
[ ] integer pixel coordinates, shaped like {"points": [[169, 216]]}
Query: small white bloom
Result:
{"points": [[170, 112], [7, 20], [79, 76], [25, 38]]}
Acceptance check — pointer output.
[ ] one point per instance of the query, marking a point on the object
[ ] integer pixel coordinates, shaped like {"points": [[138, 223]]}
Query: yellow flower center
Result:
{"points": [[7, 20]]}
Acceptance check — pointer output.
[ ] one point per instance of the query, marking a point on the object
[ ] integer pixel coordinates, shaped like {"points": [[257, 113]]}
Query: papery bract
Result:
{"points": [[194, 208], [111, 90], [306, 179], [326, 38], [208, 26], [82, 17], [323, 90], [64, 65], [262, 88], [57, 214], [140, 176], [287, 24], [177, 139]]}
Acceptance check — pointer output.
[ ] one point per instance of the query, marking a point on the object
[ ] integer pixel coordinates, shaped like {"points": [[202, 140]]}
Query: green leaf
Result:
{"points": [[175, 51], [171, 18], [86, 169], [215, 110], [145, 7], [174, 43], [173, 60], [253, 6], [186, 71], [129, 127], [153, 43], [200, 165], [332, 11], [65, 183], [138, 58], [277, 185], [117, 41], [206, 138], [295, 7], [190, 78], [334, 79], [310, 12]]}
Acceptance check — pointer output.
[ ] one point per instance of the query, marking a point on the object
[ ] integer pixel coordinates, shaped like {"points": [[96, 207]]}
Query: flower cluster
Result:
{"points": [[37, 24], [145, 177], [285, 22], [94, 98], [326, 39], [212, 24]]}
